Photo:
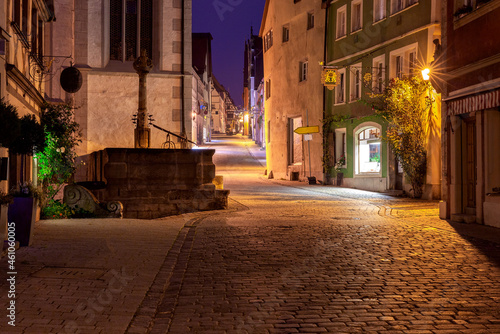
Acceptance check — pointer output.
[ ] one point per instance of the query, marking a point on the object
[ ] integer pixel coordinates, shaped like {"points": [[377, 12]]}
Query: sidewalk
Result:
{"points": [[86, 274]]}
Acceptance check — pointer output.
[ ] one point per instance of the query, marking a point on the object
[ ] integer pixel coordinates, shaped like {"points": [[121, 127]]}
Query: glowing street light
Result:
{"points": [[425, 74]]}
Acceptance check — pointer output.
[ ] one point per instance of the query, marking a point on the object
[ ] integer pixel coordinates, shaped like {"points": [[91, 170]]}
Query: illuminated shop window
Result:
{"points": [[368, 156]]}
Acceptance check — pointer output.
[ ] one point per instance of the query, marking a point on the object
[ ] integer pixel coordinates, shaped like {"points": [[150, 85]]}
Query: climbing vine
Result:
{"points": [[330, 121], [405, 105]]}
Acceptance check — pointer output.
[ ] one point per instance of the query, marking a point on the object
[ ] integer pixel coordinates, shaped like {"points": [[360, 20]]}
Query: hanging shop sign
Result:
{"points": [[71, 79], [329, 78]]}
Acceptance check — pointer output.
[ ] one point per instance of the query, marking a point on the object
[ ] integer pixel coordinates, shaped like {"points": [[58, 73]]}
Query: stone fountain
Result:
{"points": [[153, 183]]}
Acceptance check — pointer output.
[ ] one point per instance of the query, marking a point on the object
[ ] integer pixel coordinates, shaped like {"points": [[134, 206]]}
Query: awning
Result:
{"points": [[478, 102]]}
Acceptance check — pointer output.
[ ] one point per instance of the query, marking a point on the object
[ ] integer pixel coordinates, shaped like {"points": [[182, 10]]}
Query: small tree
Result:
{"points": [[405, 106], [9, 124], [57, 162], [22, 136]]}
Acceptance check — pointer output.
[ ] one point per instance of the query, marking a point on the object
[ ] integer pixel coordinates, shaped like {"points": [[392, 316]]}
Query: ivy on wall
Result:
{"points": [[405, 105]]}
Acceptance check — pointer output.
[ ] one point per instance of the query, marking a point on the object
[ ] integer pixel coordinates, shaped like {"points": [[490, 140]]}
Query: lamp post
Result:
{"points": [[142, 132]]}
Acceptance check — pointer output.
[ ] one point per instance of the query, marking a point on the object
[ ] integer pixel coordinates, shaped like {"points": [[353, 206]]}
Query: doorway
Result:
{"points": [[470, 166], [294, 141]]}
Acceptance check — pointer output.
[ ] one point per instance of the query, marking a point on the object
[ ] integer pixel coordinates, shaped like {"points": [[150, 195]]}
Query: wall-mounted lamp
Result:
{"points": [[425, 74]]}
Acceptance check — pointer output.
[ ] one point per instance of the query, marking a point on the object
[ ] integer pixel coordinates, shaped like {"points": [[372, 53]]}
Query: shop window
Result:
{"points": [[368, 151]]}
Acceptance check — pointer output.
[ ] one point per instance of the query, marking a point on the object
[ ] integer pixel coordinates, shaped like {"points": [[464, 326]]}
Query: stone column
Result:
{"points": [[142, 132]]}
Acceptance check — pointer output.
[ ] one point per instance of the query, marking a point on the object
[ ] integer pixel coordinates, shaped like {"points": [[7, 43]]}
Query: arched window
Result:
{"points": [[368, 149]]}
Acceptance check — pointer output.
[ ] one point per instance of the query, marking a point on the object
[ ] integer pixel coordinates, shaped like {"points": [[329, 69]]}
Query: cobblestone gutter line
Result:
{"points": [[161, 299]]}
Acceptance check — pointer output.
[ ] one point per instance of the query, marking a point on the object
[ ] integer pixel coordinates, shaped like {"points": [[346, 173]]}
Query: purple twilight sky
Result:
{"points": [[229, 22]]}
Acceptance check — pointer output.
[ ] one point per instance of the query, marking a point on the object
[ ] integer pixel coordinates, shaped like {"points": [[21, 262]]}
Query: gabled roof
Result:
{"points": [[264, 16]]}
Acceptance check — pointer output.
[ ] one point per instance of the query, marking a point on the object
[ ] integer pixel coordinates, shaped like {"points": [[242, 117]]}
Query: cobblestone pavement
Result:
{"points": [[85, 275], [293, 258], [286, 257]]}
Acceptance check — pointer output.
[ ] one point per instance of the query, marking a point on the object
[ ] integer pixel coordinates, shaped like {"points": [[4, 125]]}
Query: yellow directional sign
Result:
{"points": [[304, 130]]}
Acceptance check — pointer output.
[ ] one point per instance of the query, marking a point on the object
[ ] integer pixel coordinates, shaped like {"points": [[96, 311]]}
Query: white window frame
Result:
{"points": [[355, 82], [303, 68], [378, 74], [353, 19], [400, 5], [412, 62], [380, 9], [404, 53], [339, 31], [341, 145], [357, 131], [341, 85]]}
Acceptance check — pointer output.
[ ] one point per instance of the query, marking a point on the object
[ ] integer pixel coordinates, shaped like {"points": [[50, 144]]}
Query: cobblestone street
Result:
{"points": [[287, 257], [292, 258]]}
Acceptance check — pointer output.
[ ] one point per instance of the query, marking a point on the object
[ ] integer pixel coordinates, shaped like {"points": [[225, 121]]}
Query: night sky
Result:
{"points": [[229, 22]]}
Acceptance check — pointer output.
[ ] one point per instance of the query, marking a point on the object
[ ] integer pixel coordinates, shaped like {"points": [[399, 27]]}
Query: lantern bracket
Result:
{"points": [[44, 68]]}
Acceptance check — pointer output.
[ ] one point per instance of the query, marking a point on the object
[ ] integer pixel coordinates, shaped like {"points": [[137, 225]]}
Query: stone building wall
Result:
{"points": [[286, 96], [108, 98]]}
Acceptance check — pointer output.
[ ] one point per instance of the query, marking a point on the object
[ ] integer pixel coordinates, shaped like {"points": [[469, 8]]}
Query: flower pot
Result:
{"points": [[340, 178], [23, 213]]}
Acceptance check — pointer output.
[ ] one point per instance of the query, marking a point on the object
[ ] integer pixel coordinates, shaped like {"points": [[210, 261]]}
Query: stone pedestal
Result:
{"points": [[153, 183]]}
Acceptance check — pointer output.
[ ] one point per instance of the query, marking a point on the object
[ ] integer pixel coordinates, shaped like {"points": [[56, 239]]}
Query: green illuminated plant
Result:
{"points": [[57, 162]]}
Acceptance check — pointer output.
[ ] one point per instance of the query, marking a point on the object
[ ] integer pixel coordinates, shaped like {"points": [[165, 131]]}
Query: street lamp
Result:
{"points": [[425, 74]]}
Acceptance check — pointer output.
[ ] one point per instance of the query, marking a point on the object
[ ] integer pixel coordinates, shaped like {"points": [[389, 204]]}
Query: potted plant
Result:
{"points": [[22, 136], [23, 211]]}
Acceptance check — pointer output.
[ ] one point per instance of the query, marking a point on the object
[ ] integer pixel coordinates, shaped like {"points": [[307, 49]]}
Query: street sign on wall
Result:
{"points": [[303, 130]]}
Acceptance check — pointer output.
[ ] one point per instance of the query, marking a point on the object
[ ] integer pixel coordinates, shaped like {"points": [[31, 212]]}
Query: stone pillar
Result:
{"points": [[142, 132]]}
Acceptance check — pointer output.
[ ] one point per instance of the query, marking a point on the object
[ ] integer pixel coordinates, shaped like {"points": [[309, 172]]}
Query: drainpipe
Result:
{"points": [[183, 72], [325, 135]]}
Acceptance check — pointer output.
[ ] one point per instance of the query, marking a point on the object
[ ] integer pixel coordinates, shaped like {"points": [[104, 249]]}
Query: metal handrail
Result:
{"points": [[173, 134]]}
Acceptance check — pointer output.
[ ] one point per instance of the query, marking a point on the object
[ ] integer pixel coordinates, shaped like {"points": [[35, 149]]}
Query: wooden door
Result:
{"points": [[470, 164]]}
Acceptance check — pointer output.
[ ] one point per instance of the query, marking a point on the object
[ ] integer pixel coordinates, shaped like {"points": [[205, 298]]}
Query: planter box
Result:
{"points": [[23, 213]]}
